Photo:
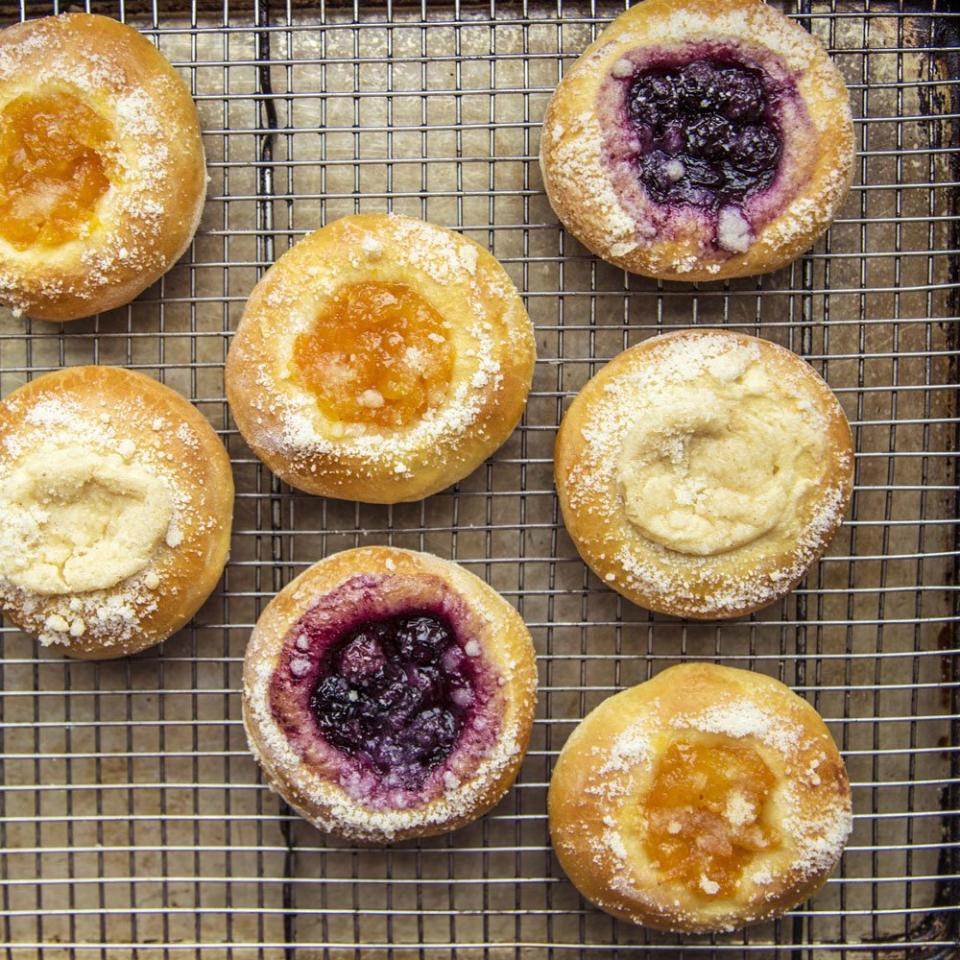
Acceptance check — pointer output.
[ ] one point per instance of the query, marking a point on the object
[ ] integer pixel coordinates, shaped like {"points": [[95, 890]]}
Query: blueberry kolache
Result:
{"points": [[701, 473], [699, 140], [389, 694], [380, 359], [102, 171], [116, 504], [703, 800]]}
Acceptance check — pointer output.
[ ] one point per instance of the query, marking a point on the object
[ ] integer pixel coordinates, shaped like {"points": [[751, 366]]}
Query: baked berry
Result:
{"points": [[395, 694], [703, 132]]}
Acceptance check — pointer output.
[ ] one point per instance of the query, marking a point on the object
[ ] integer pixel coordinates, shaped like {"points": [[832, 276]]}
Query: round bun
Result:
{"points": [[380, 359], [102, 175], [699, 140], [704, 799], [116, 500], [389, 694], [701, 473]]}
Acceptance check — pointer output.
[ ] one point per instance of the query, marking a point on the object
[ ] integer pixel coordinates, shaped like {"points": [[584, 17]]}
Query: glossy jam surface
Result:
{"points": [[395, 694], [54, 168], [378, 355], [704, 814], [705, 132]]}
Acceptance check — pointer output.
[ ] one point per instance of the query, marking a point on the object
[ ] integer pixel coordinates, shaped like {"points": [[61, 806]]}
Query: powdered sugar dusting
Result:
{"points": [[573, 166], [820, 839], [600, 814], [630, 749], [744, 718]]}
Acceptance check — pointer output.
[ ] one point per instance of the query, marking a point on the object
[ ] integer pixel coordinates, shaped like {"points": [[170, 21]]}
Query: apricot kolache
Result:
{"points": [[380, 359], [704, 799], [102, 173]]}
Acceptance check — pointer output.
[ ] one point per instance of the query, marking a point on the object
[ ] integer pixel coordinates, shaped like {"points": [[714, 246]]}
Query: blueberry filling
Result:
{"points": [[395, 694], [706, 132]]}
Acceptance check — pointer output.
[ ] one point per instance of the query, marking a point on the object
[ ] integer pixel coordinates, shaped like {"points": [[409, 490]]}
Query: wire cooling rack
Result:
{"points": [[133, 823]]}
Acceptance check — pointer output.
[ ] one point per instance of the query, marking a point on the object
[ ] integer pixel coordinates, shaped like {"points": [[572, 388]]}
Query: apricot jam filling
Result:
{"points": [[705, 814], [378, 354], [54, 168]]}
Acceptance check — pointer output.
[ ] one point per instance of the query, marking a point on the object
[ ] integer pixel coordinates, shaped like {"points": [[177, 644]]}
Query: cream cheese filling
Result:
{"points": [[74, 519], [716, 464]]}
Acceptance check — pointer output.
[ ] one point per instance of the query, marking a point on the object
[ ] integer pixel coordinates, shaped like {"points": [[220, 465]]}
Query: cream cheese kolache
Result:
{"points": [[102, 172], [699, 140], [116, 504], [701, 473], [380, 359]]}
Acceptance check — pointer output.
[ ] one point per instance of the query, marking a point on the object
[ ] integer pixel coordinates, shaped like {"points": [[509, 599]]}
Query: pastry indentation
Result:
{"points": [[704, 143], [712, 467], [55, 167], [705, 813], [75, 520], [384, 686], [706, 132], [377, 354], [396, 695]]}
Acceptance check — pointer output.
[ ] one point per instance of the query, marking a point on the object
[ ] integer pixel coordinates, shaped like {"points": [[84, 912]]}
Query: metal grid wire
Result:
{"points": [[133, 822]]}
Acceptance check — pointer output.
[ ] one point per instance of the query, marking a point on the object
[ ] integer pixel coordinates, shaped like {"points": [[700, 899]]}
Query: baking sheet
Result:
{"points": [[133, 822]]}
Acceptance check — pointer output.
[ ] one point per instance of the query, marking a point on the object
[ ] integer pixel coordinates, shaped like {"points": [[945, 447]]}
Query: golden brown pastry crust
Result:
{"points": [[491, 335], [148, 219], [109, 409], [315, 792], [608, 763], [622, 399], [582, 186]]}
